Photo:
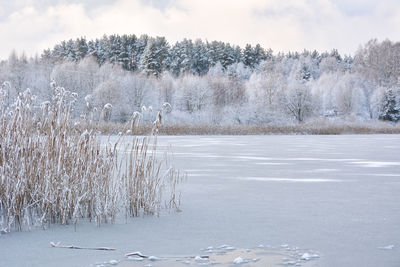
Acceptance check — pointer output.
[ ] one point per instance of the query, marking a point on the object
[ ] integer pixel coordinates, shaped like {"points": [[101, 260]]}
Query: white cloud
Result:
{"points": [[281, 25]]}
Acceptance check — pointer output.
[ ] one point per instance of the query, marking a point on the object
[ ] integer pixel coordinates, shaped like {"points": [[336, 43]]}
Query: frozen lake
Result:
{"points": [[338, 195]]}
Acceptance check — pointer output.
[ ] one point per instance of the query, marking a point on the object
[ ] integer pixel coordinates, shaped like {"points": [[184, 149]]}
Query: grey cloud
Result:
{"points": [[278, 12], [8, 7], [159, 4], [355, 8]]}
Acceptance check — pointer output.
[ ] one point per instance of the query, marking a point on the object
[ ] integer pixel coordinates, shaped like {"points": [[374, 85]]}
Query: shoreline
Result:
{"points": [[295, 129]]}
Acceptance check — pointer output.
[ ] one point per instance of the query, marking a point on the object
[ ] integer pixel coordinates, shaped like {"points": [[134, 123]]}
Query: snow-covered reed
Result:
{"points": [[53, 172], [322, 126]]}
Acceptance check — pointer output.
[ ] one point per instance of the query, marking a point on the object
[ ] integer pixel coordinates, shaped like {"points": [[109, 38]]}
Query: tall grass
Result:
{"points": [[53, 172], [321, 126]]}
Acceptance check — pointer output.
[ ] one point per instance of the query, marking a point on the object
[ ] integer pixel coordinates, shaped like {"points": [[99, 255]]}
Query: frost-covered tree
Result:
{"points": [[70, 51], [297, 100], [81, 49], [154, 57], [194, 94], [166, 86], [200, 63], [390, 106], [238, 71], [17, 67], [106, 94], [264, 88], [378, 62], [248, 59], [350, 99]]}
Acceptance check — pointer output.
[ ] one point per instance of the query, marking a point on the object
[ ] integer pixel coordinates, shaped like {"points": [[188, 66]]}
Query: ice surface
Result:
{"points": [[344, 222]]}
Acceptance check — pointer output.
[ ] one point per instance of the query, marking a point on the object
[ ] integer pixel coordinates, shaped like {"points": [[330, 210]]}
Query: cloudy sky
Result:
{"points": [[283, 25]]}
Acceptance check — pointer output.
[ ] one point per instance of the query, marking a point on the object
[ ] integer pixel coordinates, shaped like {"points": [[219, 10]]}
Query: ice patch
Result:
{"points": [[200, 259], [272, 163], [202, 174], [294, 180], [389, 247], [307, 256], [197, 155], [323, 170], [154, 258], [238, 260], [195, 170], [135, 258], [383, 174], [320, 159], [376, 164], [295, 159]]}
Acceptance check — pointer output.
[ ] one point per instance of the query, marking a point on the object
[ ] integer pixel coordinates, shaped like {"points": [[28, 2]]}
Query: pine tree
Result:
{"points": [[259, 55], [175, 59], [200, 64], [390, 110], [46, 55], [115, 48], [81, 48], [237, 54], [70, 50], [59, 52], [315, 54], [334, 53], [228, 57], [124, 53], [102, 49], [130, 47], [304, 74], [348, 63], [92, 48], [213, 53], [248, 59], [150, 63], [162, 53], [187, 55]]}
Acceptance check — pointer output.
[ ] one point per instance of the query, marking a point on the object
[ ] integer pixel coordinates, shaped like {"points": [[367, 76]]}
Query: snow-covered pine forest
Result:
{"points": [[213, 82]]}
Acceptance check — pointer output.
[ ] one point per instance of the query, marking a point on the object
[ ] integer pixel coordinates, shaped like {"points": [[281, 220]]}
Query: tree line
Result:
{"points": [[214, 82], [155, 55]]}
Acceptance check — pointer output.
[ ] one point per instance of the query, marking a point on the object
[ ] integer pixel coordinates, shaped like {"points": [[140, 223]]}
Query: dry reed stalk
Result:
{"points": [[317, 127], [53, 172]]}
